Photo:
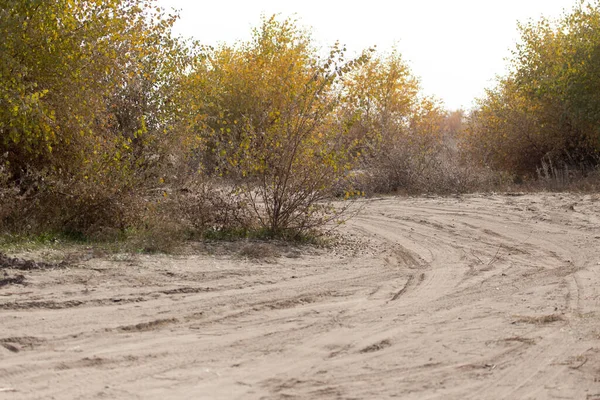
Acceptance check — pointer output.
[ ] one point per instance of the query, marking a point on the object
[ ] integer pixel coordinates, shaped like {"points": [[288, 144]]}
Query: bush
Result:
{"points": [[270, 129], [204, 205], [400, 169], [545, 113]]}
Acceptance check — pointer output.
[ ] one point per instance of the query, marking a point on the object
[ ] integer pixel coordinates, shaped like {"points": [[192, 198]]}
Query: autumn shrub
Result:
{"points": [[444, 171], [405, 142], [68, 206], [91, 111], [270, 130], [544, 114], [210, 205], [82, 78]]}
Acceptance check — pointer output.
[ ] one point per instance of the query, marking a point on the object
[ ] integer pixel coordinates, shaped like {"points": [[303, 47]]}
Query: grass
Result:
{"points": [[540, 320], [166, 238], [16, 242]]}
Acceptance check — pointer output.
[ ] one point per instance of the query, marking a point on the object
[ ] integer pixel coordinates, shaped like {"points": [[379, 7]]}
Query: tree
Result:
{"points": [[270, 125], [83, 77], [547, 108], [89, 97], [399, 130]]}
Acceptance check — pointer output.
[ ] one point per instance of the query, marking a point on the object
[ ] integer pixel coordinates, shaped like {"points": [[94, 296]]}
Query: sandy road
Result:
{"points": [[477, 297]]}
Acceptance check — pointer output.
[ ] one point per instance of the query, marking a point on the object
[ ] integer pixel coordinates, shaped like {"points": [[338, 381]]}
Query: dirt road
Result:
{"points": [[477, 297]]}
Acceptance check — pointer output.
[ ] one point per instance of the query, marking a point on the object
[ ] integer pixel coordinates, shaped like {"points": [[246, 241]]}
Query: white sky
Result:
{"points": [[456, 47]]}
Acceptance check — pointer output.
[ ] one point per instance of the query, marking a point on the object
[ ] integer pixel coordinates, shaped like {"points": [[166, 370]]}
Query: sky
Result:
{"points": [[455, 47]]}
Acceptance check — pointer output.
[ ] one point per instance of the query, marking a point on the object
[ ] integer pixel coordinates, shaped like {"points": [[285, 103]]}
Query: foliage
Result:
{"points": [[89, 103], [547, 108], [401, 132], [110, 126], [270, 124], [380, 98]]}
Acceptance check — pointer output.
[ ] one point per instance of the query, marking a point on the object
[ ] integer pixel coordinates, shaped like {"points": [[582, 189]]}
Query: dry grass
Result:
{"points": [[539, 320]]}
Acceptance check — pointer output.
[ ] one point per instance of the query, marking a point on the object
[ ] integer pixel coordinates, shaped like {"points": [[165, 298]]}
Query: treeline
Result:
{"points": [[110, 124]]}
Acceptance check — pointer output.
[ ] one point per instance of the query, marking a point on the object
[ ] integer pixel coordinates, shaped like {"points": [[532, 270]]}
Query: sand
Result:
{"points": [[471, 297]]}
